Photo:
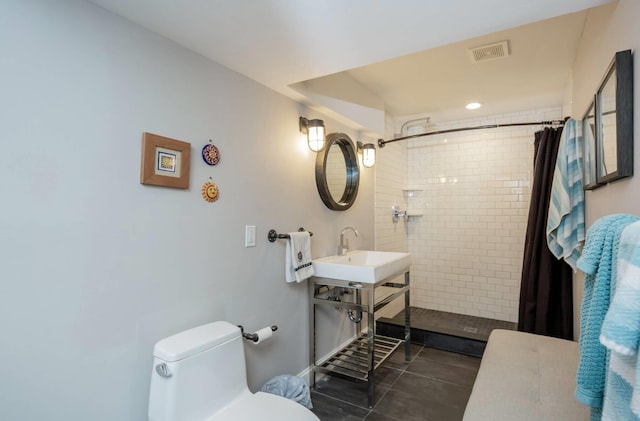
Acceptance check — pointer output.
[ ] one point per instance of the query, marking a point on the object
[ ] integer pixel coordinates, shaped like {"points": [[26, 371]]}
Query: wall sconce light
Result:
{"points": [[314, 129], [368, 152]]}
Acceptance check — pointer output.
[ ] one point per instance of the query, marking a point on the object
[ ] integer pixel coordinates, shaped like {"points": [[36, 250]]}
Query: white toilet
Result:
{"points": [[200, 374]]}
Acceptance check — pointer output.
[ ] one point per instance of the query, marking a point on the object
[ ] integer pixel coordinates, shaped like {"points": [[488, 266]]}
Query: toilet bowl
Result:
{"points": [[200, 374]]}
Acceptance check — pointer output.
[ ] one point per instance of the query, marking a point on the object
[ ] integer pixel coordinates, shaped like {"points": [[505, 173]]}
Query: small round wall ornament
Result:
{"points": [[211, 154], [210, 191]]}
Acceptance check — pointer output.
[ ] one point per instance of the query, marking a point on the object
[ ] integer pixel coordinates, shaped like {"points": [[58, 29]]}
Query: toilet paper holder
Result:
{"points": [[253, 337]]}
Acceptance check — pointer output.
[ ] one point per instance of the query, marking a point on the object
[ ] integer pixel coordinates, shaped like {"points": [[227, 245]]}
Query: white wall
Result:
{"points": [[607, 30], [97, 267]]}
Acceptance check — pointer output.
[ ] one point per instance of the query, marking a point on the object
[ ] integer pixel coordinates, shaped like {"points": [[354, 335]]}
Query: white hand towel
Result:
{"points": [[298, 266]]}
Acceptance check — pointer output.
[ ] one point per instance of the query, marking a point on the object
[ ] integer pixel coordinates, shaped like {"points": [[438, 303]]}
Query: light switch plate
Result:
{"points": [[249, 235]]}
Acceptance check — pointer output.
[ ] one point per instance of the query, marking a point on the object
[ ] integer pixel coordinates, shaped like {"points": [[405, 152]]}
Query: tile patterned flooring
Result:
{"points": [[434, 386]]}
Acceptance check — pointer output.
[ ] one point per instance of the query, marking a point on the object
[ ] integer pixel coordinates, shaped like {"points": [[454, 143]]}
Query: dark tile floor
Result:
{"points": [[435, 385]]}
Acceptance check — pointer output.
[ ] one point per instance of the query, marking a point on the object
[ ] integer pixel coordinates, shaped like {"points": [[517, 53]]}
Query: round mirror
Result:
{"points": [[337, 174]]}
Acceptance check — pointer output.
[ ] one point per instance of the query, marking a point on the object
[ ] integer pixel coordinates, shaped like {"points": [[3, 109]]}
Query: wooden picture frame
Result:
{"points": [[165, 162]]}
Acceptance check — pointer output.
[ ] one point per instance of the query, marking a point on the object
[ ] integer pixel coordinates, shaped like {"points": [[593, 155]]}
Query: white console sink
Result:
{"points": [[362, 266]]}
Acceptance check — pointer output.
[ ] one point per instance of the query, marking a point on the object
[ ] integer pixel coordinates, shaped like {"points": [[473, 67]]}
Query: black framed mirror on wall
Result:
{"points": [[614, 121], [337, 172], [589, 154]]}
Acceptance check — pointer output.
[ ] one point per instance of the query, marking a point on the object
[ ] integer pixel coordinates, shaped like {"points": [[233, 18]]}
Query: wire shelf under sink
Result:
{"points": [[351, 361]]}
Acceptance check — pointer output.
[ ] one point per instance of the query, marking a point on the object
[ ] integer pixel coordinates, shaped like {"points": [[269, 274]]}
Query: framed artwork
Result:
{"points": [[165, 161]]}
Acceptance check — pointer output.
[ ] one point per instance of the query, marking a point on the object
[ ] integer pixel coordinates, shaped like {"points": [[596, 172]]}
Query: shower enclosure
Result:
{"points": [[470, 193]]}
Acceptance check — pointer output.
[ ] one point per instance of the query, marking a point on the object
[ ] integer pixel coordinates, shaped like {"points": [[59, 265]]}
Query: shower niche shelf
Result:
{"points": [[411, 191]]}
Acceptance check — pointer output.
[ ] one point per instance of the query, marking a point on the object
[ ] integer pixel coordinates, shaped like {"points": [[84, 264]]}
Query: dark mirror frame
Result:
{"points": [[622, 64], [353, 173], [590, 147]]}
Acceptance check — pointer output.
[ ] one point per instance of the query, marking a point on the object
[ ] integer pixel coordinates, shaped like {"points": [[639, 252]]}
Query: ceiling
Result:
{"points": [[408, 58]]}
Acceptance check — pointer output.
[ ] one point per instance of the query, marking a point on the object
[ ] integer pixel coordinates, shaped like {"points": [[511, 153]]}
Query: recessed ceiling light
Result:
{"points": [[473, 105]]}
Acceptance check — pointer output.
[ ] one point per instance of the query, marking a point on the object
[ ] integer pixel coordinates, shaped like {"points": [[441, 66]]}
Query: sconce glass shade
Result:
{"points": [[314, 129], [315, 135], [368, 155]]}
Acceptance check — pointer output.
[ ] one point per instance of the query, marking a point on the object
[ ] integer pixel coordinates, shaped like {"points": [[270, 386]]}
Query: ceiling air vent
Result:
{"points": [[489, 52]]}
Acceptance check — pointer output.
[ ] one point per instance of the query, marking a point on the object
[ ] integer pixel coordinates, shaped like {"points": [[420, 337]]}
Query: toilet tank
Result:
{"points": [[205, 371]]}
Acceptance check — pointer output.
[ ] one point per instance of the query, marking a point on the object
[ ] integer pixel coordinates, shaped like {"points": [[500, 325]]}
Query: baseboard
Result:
{"points": [[306, 373]]}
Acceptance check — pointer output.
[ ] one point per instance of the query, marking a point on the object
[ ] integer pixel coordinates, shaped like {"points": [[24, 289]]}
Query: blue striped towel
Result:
{"points": [[565, 221], [621, 332]]}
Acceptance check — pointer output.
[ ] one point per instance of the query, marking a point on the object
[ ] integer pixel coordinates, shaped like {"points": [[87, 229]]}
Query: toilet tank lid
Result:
{"points": [[187, 343]]}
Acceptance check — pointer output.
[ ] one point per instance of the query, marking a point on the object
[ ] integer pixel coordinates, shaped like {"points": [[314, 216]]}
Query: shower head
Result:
{"points": [[416, 126]]}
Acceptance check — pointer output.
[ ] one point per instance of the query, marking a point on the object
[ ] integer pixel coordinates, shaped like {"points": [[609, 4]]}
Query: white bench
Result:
{"points": [[524, 376]]}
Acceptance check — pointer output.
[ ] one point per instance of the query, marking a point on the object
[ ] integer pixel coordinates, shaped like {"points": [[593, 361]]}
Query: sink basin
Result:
{"points": [[362, 266]]}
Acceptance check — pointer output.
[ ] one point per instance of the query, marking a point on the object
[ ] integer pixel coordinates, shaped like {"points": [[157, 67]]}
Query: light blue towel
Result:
{"points": [[621, 332], [565, 221], [598, 262]]}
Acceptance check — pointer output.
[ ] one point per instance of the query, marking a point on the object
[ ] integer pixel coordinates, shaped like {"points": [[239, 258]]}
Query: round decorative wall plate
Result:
{"points": [[211, 154], [210, 191]]}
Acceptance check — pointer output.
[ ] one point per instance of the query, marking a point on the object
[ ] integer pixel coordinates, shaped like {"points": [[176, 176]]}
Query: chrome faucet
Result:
{"points": [[343, 248]]}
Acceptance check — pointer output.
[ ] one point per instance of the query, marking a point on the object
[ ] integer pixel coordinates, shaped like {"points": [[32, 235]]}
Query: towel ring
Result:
{"points": [[273, 235]]}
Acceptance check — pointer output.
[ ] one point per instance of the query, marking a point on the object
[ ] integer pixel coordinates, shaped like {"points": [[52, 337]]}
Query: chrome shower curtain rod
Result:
{"points": [[382, 142]]}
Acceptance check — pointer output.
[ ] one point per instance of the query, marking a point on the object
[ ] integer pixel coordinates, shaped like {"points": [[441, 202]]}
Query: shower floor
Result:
{"points": [[443, 330]]}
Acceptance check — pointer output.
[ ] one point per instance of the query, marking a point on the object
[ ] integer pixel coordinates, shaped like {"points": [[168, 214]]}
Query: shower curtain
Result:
{"points": [[546, 297]]}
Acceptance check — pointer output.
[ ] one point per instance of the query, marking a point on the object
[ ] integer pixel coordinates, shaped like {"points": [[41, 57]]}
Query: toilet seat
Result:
{"points": [[265, 407]]}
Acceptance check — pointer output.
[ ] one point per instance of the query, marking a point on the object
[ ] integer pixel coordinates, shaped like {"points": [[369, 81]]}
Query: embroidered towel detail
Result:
{"points": [[302, 266], [298, 266], [565, 221]]}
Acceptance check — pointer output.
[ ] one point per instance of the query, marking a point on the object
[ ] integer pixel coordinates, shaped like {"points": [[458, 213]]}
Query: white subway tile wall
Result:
{"points": [[473, 189], [391, 177]]}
